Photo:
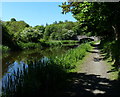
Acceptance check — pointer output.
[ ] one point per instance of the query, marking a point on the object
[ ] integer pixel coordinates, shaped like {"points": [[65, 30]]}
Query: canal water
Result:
{"points": [[13, 61]]}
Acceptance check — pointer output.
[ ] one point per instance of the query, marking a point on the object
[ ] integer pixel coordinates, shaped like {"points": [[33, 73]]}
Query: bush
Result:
{"points": [[30, 35], [62, 42], [69, 59], [29, 45], [60, 31], [45, 77], [112, 50], [4, 48]]}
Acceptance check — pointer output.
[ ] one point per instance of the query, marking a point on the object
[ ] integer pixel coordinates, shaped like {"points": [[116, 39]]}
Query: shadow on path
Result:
{"points": [[90, 85]]}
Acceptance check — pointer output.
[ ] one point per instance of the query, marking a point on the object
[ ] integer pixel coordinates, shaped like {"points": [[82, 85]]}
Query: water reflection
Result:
{"points": [[14, 60], [16, 64], [0, 87]]}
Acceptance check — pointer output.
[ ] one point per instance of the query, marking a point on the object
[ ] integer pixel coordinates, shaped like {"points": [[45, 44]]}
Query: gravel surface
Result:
{"points": [[92, 80], [94, 64]]}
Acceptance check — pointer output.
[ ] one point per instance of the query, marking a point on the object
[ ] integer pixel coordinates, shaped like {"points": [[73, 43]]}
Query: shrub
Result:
{"points": [[69, 59], [4, 48], [29, 45], [30, 35], [44, 77], [112, 50]]}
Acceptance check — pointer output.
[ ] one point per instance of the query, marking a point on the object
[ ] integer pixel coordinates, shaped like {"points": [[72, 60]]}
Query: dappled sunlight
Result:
{"points": [[64, 58], [90, 85]]}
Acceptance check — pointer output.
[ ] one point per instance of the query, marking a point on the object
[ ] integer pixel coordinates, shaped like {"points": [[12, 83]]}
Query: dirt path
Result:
{"points": [[92, 80], [94, 64]]}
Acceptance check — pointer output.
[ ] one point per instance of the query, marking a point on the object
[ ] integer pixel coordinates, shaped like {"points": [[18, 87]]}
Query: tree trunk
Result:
{"points": [[116, 29], [118, 32]]}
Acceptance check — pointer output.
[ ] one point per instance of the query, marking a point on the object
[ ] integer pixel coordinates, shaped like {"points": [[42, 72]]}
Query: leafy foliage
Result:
{"points": [[30, 34], [45, 77], [13, 19], [60, 31], [96, 17], [7, 39], [18, 35], [14, 26]]}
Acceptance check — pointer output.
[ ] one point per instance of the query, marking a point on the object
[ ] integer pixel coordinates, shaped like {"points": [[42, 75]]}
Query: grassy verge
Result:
{"points": [[111, 53], [114, 74], [4, 48], [45, 77], [29, 45], [62, 42], [78, 64], [41, 44], [70, 59]]}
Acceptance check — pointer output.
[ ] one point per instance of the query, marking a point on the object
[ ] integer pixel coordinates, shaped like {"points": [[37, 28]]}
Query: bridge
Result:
{"points": [[81, 37]]}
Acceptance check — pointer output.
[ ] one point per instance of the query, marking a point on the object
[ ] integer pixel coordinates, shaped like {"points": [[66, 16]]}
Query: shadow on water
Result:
{"points": [[51, 80], [15, 63], [11, 58], [43, 78], [47, 79]]}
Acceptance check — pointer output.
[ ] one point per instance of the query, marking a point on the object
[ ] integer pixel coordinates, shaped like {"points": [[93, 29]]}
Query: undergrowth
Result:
{"points": [[47, 76]]}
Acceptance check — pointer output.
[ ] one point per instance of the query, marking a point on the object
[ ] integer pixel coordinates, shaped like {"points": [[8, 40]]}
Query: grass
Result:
{"points": [[113, 72], [62, 42], [94, 42], [29, 45], [110, 51], [4, 48], [42, 43], [44, 77], [70, 59], [78, 64]]}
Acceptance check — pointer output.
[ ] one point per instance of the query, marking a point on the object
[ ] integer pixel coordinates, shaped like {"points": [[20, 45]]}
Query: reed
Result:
{"points": [[46, 77]]}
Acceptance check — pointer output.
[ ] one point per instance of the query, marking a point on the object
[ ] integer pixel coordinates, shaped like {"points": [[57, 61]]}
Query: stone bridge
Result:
{"points": [[80, 37]]}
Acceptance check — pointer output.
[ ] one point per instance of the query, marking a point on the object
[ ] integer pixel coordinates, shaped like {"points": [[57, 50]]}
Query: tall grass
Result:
{"points": [[62, 42], [4, 48], [46, 77], [29, 45], [69, 59], [40, 77], [111, 50]]}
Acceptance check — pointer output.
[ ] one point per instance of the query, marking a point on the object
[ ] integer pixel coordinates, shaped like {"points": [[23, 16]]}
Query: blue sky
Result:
{"points": [[34, 13]]}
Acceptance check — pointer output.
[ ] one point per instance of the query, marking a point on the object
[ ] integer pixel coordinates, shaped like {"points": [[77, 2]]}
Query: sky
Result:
{"points": [[34, 13]]}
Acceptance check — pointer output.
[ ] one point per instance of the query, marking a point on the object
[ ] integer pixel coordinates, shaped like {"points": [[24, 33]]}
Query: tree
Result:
{"points": [[40, 28], [96, 15], [30, 34], [66, 20], [15, 27], [7, 39], [46, 24], [60, 31], [60, 22], [13, 19], [100, 18], [49, 29], [55, 22]]}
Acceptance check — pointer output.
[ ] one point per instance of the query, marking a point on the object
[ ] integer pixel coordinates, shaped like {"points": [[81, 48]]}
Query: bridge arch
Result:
{"points": [[84, 38]]}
